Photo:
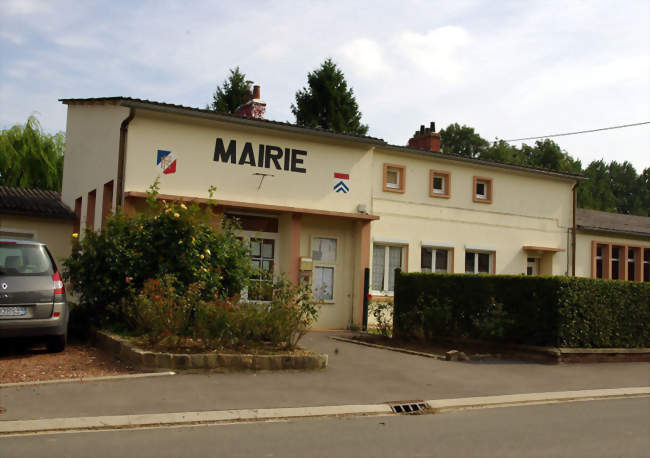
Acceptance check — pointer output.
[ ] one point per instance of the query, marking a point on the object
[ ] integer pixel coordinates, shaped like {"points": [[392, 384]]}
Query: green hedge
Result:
{"points": [[547, 311]]}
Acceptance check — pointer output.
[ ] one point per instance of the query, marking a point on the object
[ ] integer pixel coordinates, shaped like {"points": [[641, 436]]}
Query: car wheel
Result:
{"points": [[56, 344]]}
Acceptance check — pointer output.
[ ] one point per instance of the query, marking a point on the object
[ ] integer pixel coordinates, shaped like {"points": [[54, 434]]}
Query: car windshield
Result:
{"points": [[24, 260]]}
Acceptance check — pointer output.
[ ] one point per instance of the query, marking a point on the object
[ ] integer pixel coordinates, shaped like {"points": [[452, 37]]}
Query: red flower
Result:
{"points": [[368, 296], [128, 279]]}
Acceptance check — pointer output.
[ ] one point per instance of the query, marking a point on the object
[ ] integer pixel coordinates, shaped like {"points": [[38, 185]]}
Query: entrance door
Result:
{"points": [[532, 266]]}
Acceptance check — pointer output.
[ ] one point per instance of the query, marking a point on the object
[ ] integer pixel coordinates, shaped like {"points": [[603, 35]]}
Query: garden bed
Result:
{"points": [[263, 360]]}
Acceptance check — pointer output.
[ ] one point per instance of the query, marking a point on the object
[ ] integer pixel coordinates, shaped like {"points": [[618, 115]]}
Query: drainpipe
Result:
{"points": [[121, 161], [573, 231]]}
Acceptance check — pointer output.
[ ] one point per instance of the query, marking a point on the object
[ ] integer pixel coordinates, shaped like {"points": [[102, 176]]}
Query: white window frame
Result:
{"points": [[275, 236], [326, 264], [398, 173], [476, 252], [483, 196], [433, 184], [386, 263], [434, 249]]}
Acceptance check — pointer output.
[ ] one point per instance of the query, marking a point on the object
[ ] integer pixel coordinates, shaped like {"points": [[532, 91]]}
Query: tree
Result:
{"points": [[327, 102], [457, 139], [596, 192], [627, 188], [31, 158], [233, 93], [546, 154]]}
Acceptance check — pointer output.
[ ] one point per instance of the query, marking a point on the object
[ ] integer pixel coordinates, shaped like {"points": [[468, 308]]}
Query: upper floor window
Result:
{"points": [[394, 178], [482, 191], [440, 183]]}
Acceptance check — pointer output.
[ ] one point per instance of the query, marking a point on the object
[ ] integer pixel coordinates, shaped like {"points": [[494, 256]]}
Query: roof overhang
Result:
{"points": [[613, 231], [542, 249]]}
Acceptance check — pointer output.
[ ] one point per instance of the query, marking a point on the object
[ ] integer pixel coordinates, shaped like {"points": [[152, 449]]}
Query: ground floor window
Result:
{"points": [[646, 264], [262, 255], [324, 255], [620, 262], [385, 259], [477, 262], [435, 260]]}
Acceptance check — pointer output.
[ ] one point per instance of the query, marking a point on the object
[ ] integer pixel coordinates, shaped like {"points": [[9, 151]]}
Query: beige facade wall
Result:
{"points": [[584, 240], [91, 154], [526, 210], [193, 141], [55, 232]]}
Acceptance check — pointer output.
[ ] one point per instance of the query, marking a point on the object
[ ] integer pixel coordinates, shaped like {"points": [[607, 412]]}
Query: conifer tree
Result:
{"points": [[327, 102]]}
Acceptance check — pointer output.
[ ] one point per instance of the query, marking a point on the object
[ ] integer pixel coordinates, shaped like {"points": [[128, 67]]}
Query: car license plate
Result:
{"points": [[12, 311]]}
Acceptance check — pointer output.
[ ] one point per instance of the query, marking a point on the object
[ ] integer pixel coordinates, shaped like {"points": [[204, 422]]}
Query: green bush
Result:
{"points": [[549, 311], [111, 265], [281, 322]]}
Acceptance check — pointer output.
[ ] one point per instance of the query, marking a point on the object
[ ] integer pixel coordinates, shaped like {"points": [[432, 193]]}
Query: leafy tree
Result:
{"points": [[31, 158], [627, 188], [457, 139], [502, 151], [231, 94], [596, 193], [327, 102], [547, 154]]}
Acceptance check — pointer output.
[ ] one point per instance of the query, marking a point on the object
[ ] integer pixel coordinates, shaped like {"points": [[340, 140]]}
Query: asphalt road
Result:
{"points": [[608, 428], [356, 375]]}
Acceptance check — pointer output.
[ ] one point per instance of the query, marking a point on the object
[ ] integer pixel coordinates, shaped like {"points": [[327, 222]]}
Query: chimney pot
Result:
{"points": [[256, 92], [433, 126]]}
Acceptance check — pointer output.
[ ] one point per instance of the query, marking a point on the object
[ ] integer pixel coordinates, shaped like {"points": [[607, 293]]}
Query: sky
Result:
{"points": [[509, 69]]}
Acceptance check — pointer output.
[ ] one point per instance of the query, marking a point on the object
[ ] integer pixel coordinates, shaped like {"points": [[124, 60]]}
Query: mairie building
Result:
{"points": [[325, 207]]}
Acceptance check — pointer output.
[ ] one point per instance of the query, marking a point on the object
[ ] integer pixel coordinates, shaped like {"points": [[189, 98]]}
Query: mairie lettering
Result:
{"points": [[268, 156]]}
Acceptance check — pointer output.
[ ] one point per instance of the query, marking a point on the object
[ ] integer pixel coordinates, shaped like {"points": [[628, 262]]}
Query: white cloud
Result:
{"points": [[364, 57], [437, 53]]}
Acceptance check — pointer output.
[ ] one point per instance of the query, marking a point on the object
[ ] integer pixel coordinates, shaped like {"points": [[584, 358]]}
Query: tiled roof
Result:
{"points": [[182, 109], [33, 202], [612, 222]]}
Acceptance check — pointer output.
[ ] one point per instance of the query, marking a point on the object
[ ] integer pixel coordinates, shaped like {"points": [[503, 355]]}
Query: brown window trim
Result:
{"points": [[447, 178], [489, 195], [622, 260], [107, 201], [77, 213], [402, 179], [90, 209]]}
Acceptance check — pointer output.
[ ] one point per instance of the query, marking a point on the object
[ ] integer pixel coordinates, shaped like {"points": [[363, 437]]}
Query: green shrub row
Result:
{"points": [[546, 311]]}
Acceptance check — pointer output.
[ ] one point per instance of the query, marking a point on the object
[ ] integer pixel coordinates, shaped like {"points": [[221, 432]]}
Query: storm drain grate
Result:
{"points": [[409, 407]]}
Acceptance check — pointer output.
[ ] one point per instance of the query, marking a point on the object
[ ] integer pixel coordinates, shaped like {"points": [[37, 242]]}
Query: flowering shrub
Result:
{"points": [[111, 265], [383, 314]]}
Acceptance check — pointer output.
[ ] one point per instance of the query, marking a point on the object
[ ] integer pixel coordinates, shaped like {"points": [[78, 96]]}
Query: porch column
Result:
{"points": [[294, 248]]}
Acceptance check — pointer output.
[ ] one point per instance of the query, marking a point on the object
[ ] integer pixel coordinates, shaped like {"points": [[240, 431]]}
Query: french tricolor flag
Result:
{"points": [[166, 162]]}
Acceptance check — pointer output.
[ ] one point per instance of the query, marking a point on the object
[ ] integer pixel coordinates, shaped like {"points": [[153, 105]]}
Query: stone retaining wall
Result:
{"points": [[126, 351]]}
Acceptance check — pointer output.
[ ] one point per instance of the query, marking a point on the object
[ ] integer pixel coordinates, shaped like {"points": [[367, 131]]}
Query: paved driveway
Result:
{"points": [[356, 375]]}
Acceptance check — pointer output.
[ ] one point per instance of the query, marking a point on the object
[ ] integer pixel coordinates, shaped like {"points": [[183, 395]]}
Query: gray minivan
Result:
{"points": [[32, 295]]}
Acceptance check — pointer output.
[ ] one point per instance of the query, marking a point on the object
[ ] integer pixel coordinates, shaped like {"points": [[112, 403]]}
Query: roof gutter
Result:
{"points": [[613, 231], [573, 230], [121, 161], [249, 122]]}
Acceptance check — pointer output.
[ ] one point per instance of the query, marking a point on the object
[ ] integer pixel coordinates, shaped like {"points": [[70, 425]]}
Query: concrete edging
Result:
{"points": [[125, 350], [541, 354]]}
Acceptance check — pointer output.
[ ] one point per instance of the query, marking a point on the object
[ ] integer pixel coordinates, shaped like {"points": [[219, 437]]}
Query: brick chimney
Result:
{"points": [[253, 107], [426, 139]]}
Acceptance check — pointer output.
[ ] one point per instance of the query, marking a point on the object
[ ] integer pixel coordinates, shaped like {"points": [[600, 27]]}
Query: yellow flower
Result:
{"points": [[167, 210], [183, 207], [75, 235], [176, 215], [180, 242], [207, 251], [202, 256]]}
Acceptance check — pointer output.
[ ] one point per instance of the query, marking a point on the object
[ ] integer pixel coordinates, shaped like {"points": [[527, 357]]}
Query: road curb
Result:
{"points": [[99, 378], [60, 425]]}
